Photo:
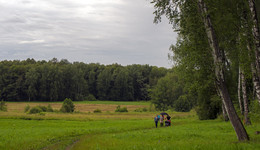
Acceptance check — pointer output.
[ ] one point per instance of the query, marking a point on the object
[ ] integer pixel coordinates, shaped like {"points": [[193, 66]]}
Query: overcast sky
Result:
{"points": [[90, 31]]}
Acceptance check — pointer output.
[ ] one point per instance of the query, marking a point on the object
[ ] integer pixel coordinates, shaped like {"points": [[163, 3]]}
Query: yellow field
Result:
{"points": [[82, 112], [19, 107]]}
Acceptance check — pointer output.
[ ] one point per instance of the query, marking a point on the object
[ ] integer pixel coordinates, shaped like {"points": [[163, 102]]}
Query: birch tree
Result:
{"points": [[219, 72], [245, 99], [238, 91], [255, 32], [172, 10]]}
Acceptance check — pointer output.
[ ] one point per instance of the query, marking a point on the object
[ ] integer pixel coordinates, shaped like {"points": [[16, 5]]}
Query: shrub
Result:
{"points": [[38, 109], [67, 106], [97, 111], [27, 108], [3, 106], [42, 113], [119, 109], [49, 108], [43, 108], [145, 109], [90, 97], [141, 109], [35, 110]]}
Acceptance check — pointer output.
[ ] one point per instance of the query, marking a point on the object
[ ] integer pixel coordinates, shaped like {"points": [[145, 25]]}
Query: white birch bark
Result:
{"points": [[238, 92], [255, 32], [219, 73], [225, 116]]}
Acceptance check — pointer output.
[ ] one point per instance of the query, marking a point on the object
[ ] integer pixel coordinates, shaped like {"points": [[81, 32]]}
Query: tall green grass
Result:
{"points": [[18, 134], [190, 134], [121, 131]]}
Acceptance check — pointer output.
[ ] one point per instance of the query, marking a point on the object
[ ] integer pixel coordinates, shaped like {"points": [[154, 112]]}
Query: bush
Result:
{"points": [[35, 110], [43, 108], [49, 108], [67, 106], [141, 109], [27, 108], [3, 106], [90, 97], [38, 109], [119, 109], [97, 111]]}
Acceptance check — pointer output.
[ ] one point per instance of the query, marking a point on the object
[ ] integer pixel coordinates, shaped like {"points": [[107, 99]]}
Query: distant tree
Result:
{"points": [[104, 81], [122, 88], [166, 92], [31, 78], [67, 106]]}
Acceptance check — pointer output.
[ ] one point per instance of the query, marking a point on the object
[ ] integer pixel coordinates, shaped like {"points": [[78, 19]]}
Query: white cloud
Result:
{"points": [[31, 42]]}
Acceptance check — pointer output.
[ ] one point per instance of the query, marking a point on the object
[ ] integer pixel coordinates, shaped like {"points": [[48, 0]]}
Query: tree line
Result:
{"points": [[30, 80], [217, 57]]}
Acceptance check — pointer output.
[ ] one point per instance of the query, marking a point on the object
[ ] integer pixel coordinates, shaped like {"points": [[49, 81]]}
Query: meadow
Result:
{"points": [[110, 130]]}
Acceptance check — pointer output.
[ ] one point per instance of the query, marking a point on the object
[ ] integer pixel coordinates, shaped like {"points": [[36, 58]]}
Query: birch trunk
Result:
{"points": [[238, 92], [225, 116], [255, 81], [224, 110], [255, 32], [246, 117], [219, 73]]}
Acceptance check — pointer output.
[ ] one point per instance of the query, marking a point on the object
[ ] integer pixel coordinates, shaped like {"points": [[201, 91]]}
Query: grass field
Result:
{"points": [[110, 130]]}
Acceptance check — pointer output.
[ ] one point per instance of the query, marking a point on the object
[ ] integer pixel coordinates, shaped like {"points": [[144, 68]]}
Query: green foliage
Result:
{"points": [[67, 106], [141, 109], [209, 108], [38, 109], [97, 111], [183, 104], [255, 107], [3, 106], [35, 110], [27, 108], [43, 108], [166, 92], [90, 97], [49, 108], [119, 109], [55, 80]]}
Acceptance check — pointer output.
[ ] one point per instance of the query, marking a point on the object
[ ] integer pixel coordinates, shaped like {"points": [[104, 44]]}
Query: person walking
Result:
{"points": [[156, 120], [161, 121]]}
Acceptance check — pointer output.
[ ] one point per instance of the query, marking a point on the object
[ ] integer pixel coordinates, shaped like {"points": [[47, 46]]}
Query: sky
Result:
{"points": [[89, 31]]}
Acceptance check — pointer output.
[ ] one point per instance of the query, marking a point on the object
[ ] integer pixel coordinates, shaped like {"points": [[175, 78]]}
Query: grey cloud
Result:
{"points": [[114, 33]]}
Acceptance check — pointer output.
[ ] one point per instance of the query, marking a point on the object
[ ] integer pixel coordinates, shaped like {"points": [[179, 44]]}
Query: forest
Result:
{"points": [[30, 80], [217, 56]]}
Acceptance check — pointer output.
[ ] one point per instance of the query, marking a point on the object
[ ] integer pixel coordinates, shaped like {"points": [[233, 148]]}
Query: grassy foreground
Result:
{"points": [[109, 130]]}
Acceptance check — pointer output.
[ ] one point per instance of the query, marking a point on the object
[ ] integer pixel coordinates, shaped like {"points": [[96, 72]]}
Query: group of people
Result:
{"points": [[161, 119]]}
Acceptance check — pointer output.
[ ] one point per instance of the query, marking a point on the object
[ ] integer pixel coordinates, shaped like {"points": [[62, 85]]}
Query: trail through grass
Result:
{"points": [[184, 134], [18, 134], [119, 131]]}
